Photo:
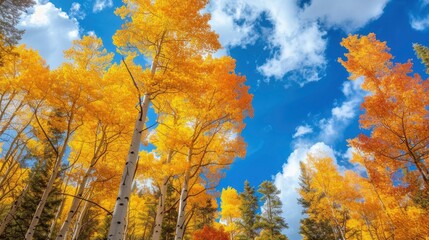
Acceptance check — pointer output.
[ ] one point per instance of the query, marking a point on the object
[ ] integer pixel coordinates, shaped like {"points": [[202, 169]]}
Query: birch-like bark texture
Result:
{"points": [[12, 211], [118, 223], [41, 206], [78, 227], [160, 210], [62, 234], [100, 150], [60, 210], [180, 226]]}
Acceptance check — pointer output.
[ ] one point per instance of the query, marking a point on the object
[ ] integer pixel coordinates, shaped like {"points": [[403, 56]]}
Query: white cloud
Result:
{"points": [[76, 11], [331, 128], [302, 130], [91, 33], [49, 30], [296, 40], [419, 24], [224, 17], [419, 20], [346, 14], [287, 181], [300, 53], [99, 5]]}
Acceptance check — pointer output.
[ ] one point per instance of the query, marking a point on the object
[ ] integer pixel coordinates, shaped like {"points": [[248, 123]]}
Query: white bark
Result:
{"points": [[126, 223], [160, 210], [12, 211], [180, 226], [118, 223], [80, 220], [59, 211], [62, 234], [40, 207]]}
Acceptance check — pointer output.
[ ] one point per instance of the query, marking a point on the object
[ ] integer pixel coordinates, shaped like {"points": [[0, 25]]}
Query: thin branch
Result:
{"points": [[84, 199], [136, 86]]}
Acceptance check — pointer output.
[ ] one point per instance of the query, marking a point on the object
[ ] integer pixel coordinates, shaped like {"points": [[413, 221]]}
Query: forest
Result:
{"points": [[133, 144]]}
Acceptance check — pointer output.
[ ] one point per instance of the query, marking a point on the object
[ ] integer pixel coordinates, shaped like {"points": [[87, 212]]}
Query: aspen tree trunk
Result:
{"points": [[126, 223], [180, 226], [39, 209], [118, 223], [78, 227], [12, 211], [160, 210], [59, 211], [62, 234], [57, 216]]}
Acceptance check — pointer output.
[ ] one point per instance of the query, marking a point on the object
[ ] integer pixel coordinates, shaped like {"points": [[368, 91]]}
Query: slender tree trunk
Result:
{"points": [[62, 234], [180, 226], [59, 211], [160, 210], [40, 207], [57, 216], [79, 222], [118, 223], [12, 211], [76, 200]]}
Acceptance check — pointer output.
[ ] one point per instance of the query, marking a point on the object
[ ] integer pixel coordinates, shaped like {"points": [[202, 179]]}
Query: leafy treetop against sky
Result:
{"points": [[288, 51]]}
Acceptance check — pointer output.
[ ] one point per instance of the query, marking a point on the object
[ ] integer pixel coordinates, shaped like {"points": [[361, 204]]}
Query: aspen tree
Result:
{"points": [[168, 33]]}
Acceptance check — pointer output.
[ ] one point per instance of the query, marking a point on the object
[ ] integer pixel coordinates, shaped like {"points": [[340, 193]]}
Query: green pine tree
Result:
{"points": [[9, 19], [270, 221], [311, 229], [170, 217], [40, 174], [38, 182], [248, 208], [205, 215], [422, 52]]}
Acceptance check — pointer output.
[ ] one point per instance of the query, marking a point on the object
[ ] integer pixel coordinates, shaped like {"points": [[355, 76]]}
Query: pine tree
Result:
{"points": [[270, 221], [311, 229], [40, 174], [170, 218], [248, 208], [38, 182], [422, 52], [205, 214], [9, 18]]}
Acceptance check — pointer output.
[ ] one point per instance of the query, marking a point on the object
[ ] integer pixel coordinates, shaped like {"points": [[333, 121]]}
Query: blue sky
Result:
{"points": [[288, 51]]}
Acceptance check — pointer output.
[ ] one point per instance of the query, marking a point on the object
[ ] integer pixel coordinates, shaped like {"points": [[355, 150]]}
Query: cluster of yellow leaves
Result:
{"points": [[356, 208], [389, 199], [395, 111], [230, 210], [199, 100]]}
